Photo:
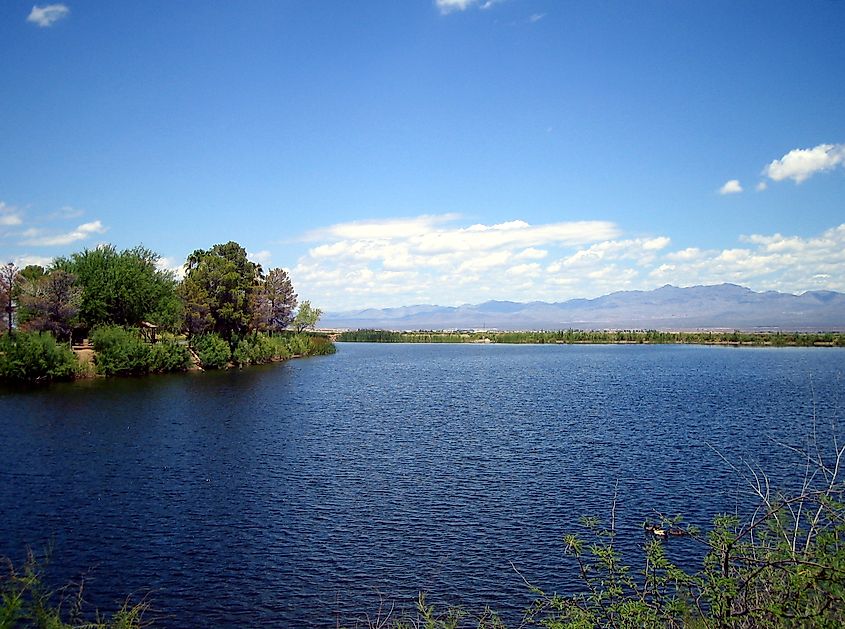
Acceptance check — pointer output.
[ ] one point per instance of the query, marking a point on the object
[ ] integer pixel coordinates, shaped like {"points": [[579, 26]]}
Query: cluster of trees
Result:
{"points": [[222, 292], [223, 295], [777, 339]]}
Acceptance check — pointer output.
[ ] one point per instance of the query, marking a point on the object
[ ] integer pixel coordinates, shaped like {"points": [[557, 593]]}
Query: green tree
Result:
{"points": [[122, 288], [275, 302], [306, 317], [49, 303], [26, 285], [8, 280], [219, 290]]}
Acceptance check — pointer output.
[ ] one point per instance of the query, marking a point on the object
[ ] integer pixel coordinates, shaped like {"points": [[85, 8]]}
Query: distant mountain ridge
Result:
{"points": [[722, 306]]}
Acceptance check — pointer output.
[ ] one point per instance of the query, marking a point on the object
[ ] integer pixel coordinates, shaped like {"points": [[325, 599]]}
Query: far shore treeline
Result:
{"points": [[140, 318], [574, 337]]}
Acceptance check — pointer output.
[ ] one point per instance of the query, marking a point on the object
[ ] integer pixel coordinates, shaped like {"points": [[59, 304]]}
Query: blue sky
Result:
{"points": [[434, 151]]}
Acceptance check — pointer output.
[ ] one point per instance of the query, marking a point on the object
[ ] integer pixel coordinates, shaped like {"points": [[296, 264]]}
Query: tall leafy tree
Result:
{"points": [[306, 317], [275, 302], [8, 281], [50, 303], [219, 290], [123, 288]]}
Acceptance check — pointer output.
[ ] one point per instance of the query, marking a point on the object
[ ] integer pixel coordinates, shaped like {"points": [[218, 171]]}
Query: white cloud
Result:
{"points": [[437, 260], [429, 259], [47, 15], [524, 270], [786, 263], [262, 257], [531, 253], [731, 187], [801, 164], [26, 260], [640, 250], [761, 186], [536, 17], [690, 253], [82, 232], [172, 265], [9, 216], [449, 6]]}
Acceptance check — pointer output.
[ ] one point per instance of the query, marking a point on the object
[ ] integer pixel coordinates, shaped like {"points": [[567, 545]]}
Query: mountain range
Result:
{"points": [[722, 306]]}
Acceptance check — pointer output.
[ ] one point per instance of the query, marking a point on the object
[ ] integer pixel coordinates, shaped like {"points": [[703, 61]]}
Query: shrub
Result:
{"points": [[254, 349], [320, 346], [120, 351], [168, 355], [26, 601], [298, 344], [213, 351], [279, 346], [35, 357]]}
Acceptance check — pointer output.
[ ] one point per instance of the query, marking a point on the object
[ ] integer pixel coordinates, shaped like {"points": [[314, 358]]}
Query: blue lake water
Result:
{"points": [[297, 494]]}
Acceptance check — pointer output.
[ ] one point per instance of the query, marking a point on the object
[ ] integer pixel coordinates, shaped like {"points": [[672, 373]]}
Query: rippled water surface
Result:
{"points": [[301, 493]]}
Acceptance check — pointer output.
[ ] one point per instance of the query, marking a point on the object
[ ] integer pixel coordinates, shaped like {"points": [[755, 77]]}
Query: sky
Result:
{"points": [[390, 153]]}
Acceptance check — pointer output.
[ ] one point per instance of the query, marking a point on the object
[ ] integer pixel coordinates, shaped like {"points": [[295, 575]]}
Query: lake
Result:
{"points": [[300, 493]]}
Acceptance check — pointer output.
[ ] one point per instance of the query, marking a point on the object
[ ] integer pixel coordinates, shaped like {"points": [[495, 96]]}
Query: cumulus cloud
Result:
{"points": [[436, 258], [9, 216], [86, 230], [731, 187], [800, 164], [531, 253], [171, 265], [26, 260], [47, 15], [440, 260], [642, 251], [262, 257], [449, 6], [761, 186], [786, 263]]}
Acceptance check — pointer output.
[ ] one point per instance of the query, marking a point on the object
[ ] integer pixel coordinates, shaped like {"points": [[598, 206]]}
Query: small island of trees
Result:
{"points": [[133, 317]]}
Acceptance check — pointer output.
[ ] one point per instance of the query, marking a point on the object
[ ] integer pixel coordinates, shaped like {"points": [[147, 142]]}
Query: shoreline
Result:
{"points": [[621, 337]]}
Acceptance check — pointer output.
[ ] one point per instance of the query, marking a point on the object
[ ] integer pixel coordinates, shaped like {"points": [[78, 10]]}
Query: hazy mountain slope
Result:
{"points": [[721, 306]]}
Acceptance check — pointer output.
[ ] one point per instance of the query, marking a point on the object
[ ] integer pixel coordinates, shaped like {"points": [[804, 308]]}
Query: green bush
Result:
{"points": [[255, 349], [213, 351], [120, 351], [320, 346], [298, 344], [168, 355], [35, 357], [280, 347]]}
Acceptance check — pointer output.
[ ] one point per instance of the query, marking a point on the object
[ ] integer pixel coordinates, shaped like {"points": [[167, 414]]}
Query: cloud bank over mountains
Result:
{"points": [[427, 259]]}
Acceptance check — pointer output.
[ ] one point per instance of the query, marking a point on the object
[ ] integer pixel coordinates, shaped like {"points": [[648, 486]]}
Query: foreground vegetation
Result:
{"points": [[140, 319], [775, 339], [26, 601]]}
